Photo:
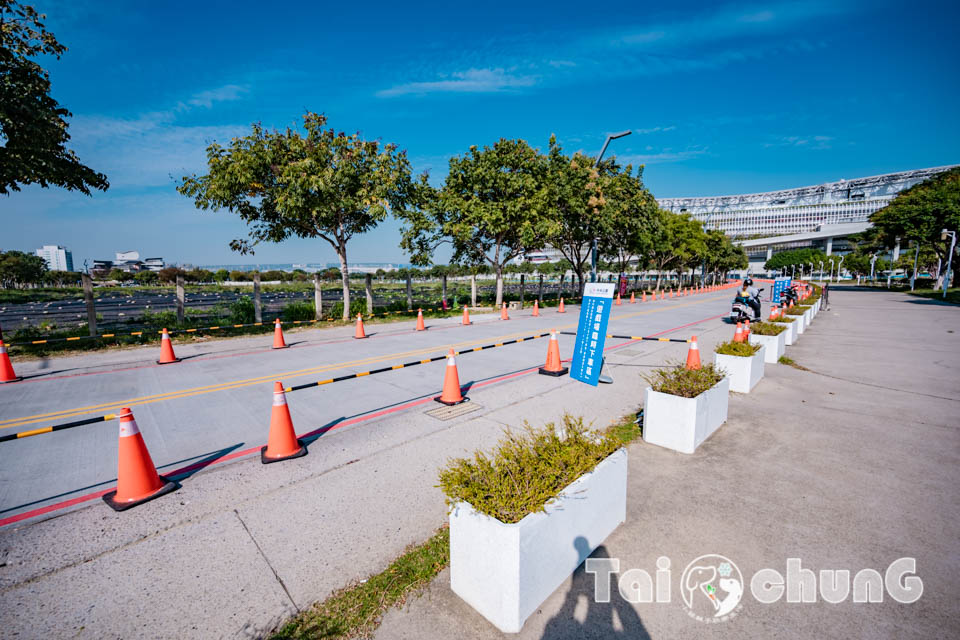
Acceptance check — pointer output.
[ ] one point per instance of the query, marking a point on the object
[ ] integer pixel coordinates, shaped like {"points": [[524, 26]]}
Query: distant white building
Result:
{"points": [[58, 258], [127, 256]]}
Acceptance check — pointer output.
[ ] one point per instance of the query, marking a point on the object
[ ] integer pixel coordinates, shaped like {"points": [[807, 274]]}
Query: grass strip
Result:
{"points": [[792, 363], [356, 610]]}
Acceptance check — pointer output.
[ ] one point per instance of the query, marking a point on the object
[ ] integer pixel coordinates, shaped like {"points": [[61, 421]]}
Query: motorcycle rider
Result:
{"points": [[752, 296]]}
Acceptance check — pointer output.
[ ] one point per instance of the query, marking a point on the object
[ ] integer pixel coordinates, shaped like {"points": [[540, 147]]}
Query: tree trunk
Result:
{"points": [[369, 287], [499, 285], [473, 290], [540, 290], [345, 279], [659, 279], [563, 276], [257, 308], [443, 289], [317, 297], [581, 283], [409, 293], [523, 288]]}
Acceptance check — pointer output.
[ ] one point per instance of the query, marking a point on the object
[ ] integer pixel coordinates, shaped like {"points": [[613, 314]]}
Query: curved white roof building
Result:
{"points": [[798, 217]]}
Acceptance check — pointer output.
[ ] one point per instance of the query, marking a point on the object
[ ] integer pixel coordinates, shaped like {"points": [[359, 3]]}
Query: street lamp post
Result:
{"points": [[953, 243], [873, 261], [838, 267], [821, 272], [593, 252], [830, 278]]}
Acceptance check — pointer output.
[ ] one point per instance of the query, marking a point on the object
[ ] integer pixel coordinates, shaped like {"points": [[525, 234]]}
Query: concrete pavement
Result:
{"points": [[848, 466]]}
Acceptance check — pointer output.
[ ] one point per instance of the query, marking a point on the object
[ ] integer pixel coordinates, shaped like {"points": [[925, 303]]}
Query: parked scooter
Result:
{"points": [[742, 311], [789, 295]]}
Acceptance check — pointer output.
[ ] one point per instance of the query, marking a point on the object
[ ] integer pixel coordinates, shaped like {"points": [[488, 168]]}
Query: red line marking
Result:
{"points": [[363, 418]]}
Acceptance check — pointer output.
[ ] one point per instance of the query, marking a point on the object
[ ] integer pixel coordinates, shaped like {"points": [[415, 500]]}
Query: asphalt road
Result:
{"points": [[217, 401]]}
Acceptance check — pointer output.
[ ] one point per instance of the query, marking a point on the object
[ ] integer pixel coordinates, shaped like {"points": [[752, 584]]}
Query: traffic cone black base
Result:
{"points": [[451, 404], [564, 371], [17, 379], [174, 361], [168, 487], [302, 451]]}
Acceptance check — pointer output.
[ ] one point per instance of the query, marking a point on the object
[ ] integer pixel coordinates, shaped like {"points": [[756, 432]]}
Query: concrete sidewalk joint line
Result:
{"points": [[267, 560]]}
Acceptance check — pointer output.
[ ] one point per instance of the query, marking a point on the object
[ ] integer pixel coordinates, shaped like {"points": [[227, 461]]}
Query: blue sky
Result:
{"points": [[722, 98]]}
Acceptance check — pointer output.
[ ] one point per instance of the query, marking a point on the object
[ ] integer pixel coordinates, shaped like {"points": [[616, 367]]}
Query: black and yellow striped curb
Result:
{"points": [[58, 427], [613, 335]]}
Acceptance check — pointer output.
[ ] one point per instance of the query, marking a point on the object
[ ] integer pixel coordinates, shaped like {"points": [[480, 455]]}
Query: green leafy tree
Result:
{"points": [[322, 184], [169, 275], [921, 212], [677, 240], [722, 255], [795, 258], [221, 275], [492, 208], [629, 216], [146, 277], [576, 202], [33, 126], [18, 269]]}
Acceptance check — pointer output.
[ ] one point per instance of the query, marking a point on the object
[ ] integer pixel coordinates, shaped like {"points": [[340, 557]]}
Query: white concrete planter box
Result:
{"points": [[506, 571], [790, 335], [682, 424], [807, 317], [774, 346], [798, 322], [743, 373]]}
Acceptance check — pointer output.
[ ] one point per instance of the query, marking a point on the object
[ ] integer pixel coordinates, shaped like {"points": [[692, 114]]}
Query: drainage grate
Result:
{"points": [[631, 352], [455, 411]]}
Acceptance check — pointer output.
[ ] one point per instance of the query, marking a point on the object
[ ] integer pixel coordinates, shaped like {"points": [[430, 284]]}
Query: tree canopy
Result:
{"points": [[920, 213], [18, 268], [796, 257], [493, 207], [323, 184], [33, 125]]}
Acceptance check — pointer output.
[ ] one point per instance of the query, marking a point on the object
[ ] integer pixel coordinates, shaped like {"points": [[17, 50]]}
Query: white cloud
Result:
{"points": [[654, 130], [803, 142], [470, 81], [662, 157], [225, 93]]}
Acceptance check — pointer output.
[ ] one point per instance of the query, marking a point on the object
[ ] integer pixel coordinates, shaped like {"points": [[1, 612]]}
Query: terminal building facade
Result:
{"points": [[820, 216]]}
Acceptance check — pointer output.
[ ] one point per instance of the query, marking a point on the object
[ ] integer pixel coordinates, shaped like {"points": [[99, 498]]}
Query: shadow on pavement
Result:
{"points": [[614, 619]]}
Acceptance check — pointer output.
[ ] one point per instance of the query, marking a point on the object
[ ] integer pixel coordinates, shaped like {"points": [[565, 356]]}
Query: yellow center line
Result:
{"points": [[236, 384]]}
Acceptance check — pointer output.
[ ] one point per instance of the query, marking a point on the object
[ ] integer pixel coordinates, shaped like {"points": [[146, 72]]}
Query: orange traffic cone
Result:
{"points": [[451, 384], [663, 295], [503, 312], [738, 336], [282, 443], [618, 303], [166, 349], [466, 316], [536, 309], [359, 333], [643, 297], [560, 309], [671, 293], [553, 367], [633, 298], [278, 342], [420, 325], [791, 304], [6, 368], [693, 354], [137, 478], [774, 312], [746, 331]]}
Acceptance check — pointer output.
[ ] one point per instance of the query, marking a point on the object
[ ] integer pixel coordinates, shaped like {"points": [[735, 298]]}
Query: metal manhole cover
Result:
{"points": [[455, 411]]}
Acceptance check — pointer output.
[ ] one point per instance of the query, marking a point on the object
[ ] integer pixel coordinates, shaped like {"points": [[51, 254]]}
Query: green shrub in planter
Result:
{"points": [[526, 471], [767, 328], [796, 311], [683, 382], [742, 349]]}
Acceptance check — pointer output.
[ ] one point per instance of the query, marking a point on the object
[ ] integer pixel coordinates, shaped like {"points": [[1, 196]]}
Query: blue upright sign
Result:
{"points": [[779, 286], [591, 332]]}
